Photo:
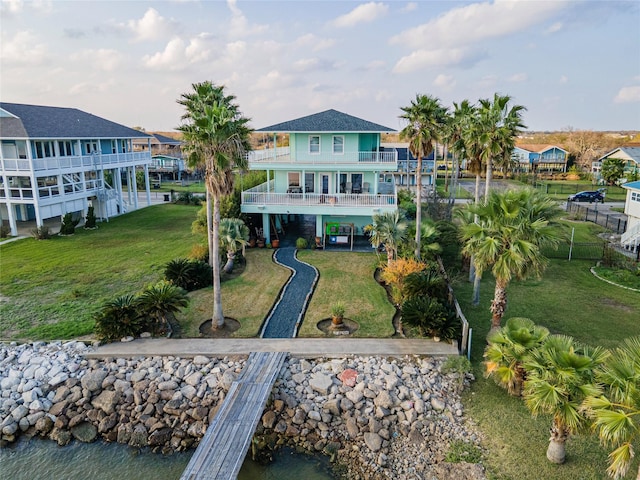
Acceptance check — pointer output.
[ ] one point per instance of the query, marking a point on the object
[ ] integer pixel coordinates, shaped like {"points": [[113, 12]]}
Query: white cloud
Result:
{"points": [[431, 58], [463, 29], [375, 65], [409, 7], [83, 88], [518, 77], [365, 13], [556, 27], [628, 94], [271, 81], [152, 26], [316, 43], [445, 82], [13, 7], [563, 80], [240, 26], [23, 49], [179, 53], [103, 59]]}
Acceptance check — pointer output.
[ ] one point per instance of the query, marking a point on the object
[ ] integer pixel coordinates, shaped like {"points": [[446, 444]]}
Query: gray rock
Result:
{"points": [[139, 437], [352, 427], [269, 419], [383, 399], [93, 379], [373, 441], [321, 383], [106, 401], [437, 404], [84, 432]]}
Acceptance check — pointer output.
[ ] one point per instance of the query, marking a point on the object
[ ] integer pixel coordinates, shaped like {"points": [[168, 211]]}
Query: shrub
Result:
{"points": [[90, 220], [159, 300], [427, 282], [199, 252], [337, 310], [431, 317], [301, 243], [41, 233], [5, 230], [396, 273], [68, 226], [188, 274], [119, 318]]}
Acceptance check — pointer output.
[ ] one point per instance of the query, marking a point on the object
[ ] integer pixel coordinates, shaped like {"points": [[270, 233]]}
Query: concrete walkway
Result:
{"points": [[297, 347], [284, 319]]}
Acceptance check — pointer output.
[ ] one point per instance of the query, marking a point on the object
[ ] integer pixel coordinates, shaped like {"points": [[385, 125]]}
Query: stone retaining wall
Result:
{"points": [[381, 418]]}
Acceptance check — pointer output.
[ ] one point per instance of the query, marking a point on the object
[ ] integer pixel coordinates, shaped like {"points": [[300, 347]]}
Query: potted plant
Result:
{"points": [[260, 242], [337, 314], [275, 243]]}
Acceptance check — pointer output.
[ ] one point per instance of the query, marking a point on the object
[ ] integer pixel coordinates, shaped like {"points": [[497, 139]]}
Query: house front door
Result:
{"points": [[325, 183]]}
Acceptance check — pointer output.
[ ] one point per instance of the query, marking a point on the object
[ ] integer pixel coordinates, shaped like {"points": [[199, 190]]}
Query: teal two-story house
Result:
{"points": [[333, 168]]}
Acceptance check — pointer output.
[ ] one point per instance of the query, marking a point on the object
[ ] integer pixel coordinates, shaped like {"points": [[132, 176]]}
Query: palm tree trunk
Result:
{"points": [[418, 205], [476, 286], [209, 229], [487, 185], [498, 304], [228, 267], [556, 451], [217, 320]]}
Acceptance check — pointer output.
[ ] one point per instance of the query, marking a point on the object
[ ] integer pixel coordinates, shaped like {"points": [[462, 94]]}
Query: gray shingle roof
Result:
{"points": [[632, 152], [36, 121], [327, 121]]}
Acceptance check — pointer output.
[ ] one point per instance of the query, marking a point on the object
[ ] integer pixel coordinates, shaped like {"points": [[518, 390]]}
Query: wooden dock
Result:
{"points": [[221, 451]]}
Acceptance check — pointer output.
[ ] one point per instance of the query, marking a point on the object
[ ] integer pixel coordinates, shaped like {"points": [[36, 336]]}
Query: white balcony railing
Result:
{"points": [[81, 162], [283, 155], [337, 200]]}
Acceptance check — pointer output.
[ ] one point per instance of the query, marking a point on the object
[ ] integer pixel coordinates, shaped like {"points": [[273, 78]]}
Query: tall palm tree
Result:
{"points": [[387, 229], [160, 299], [508, 349], [616, 409], [499, 124], [234, 235], [506, 234], [426, 120], [215, 136], [560, 377]]}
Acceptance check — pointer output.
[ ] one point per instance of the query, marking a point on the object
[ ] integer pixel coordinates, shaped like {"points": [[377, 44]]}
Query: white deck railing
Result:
{"points": [[74, 162], [314, 199], [631, 237], [283, 155]]}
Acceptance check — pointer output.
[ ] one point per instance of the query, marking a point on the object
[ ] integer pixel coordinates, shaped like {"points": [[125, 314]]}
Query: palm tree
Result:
{"points": [[498, 126], [387, 229], [560, 377], [429, 236], [215, 136], [119, 318], [616, 410], [426, 120], [234, 234], [511, 229], [507, 350], [161, 299]]}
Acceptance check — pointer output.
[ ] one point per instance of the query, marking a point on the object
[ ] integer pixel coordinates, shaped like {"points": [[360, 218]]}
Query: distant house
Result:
{"points": [[631, 237], [406, 175], [166, 157], [56, 160], [333, 169], [629, 154], [540, 158]]}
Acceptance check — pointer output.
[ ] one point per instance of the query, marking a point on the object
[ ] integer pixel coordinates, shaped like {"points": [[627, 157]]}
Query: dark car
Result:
{"points": [[586, 197]]}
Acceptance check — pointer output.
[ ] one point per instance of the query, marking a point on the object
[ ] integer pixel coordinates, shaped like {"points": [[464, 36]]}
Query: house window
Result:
{"points": [[293, 179], [635, 196], [91, 147], [356, 183], [338, 144], [44, 149], [65, 148], [309, 181], [314, 144], [114, 148]]}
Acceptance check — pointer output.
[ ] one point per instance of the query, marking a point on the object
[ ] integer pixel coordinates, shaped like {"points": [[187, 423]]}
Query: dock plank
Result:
{"points": [[226, 442]]}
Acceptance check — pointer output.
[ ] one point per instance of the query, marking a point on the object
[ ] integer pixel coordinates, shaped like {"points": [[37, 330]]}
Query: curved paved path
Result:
{"points": [[284, 319]]}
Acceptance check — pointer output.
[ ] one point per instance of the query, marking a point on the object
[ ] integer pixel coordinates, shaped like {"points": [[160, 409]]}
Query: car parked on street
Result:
{"points": [[587, 196]]}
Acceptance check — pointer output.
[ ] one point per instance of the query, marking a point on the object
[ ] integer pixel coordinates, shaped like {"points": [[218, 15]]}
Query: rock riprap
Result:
{"points": [[380, 418]]}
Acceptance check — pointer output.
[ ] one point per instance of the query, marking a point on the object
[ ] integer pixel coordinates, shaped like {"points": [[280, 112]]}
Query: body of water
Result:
{"points": [[37, 459]]}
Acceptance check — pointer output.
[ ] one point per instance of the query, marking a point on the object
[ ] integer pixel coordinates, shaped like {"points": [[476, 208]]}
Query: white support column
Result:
{"points": [[147, 187], [319, 232], [266, 228], [134, 185]]}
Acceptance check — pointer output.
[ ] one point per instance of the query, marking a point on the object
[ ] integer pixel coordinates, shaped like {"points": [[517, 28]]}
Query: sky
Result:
{"points": [[573, 64]]}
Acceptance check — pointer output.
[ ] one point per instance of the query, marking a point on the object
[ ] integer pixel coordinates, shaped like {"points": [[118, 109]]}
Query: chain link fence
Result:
{"points": [[611, 221]]}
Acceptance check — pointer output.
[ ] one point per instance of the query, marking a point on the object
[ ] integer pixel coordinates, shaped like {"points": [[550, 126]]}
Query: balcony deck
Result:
{"points": [[75, 163], [283, 158]]}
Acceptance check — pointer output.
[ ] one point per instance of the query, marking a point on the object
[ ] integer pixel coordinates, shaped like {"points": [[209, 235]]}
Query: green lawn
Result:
{"points": [[52, 288], [569, 300], [348, 277]]}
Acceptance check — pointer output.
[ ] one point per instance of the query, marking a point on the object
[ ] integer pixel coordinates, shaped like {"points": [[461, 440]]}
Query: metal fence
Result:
{"points": [[570, 188], [577, 251], [614, 222]]}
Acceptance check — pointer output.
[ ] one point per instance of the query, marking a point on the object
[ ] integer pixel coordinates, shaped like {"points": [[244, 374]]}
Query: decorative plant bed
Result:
{"points": [[346, 328]]}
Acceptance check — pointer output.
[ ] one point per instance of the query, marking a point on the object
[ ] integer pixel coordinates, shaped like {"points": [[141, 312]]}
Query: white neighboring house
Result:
{"points": [[53, 161], [631, 238], [629, 154]]}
